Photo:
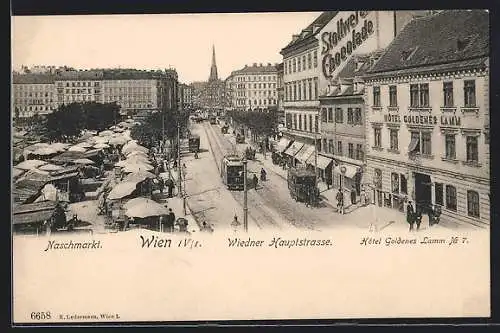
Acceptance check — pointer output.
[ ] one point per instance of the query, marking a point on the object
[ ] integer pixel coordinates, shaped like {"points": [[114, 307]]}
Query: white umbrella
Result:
{"points": [[77, 148], [42, 151], [101, 145], [30, 164], [136, 159], [134, 148], [137, 153], [130, 120], [84, 145], [84, 161], [41, 144], [139, 176], [137, 167], [101, 139], [59, 146], [118, 140], [143, 207], [130, 143], [16, 172], [106, 133], [122, 190], [112, 127], [118, 129], [50, 167]]}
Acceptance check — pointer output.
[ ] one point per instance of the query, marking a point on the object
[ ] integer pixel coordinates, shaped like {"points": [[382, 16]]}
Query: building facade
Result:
{"points": [[33, 94], [281, 95], [255, 87], [133, 90], [312, 62], [427, 109]]}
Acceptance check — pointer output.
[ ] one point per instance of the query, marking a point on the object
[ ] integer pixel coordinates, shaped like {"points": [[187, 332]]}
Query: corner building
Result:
{"points": [[427, 110]]}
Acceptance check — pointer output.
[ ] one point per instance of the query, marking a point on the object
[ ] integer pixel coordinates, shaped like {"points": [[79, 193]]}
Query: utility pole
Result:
{"points": [[245, 192]]}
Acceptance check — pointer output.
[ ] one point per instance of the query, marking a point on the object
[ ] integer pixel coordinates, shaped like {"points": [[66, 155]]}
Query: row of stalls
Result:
{"points": [[63, 173], [333, 172]]}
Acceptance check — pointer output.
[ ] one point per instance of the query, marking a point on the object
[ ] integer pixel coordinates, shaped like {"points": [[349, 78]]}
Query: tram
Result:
{"points": [[194, 143], [232, 172], [302, 185], [213, 120]]}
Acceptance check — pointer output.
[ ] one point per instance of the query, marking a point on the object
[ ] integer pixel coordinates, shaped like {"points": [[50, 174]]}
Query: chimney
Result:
{"points": [[260, 64], [295, 37], [254, 64]]}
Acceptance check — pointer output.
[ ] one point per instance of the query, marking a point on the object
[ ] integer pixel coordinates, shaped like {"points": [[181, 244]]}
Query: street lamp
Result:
{"points": [[343, 170], [245, 192]]}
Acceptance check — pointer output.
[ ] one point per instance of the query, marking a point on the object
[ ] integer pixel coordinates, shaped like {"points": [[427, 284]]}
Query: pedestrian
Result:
{"points": [[235, 224], [410, 215], [418, 218], [206, 228], [255, 181], [340, 201], [171, 217], [161, 184]]}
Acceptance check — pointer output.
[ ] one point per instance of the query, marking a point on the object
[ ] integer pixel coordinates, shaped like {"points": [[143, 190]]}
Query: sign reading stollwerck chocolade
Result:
{"points": [[356, 28]]}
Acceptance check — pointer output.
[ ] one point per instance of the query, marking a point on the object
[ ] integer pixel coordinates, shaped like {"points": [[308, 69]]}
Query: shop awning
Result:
{"points": [[294, 148], [413, 144], [305, 153], [282, 145], [350, 170], [322, 161]]}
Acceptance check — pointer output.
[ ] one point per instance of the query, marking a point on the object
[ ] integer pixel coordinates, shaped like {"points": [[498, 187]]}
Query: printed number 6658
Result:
{"points": [[40, 315]]}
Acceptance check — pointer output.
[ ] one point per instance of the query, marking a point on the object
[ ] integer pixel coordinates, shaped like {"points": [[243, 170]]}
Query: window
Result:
{"points": [[310, 123], [339, 147], [377, 134], [426, 143], [469, 93], [393, 96], [377, 178], [424, 94], [330, 146], [300, 90], [330, 115], [448, 94], [350, 150], [451, 197], [316, 125], [289, 66], [315, 88], [304, 86], [350, 116], [393, 134], [438, 193], [473, 203], [315, 59], [339, 115], [414, 95], [404, 184], [309, 61], [300, 122], [450, 147], [294, 91], [472, 153], [324, 115], [295, 121], [359, 152], [357, 116], [395, 182], [325, 146], [294, 65], [415, 142], [304, 62], [298, 65], [376, 96]]}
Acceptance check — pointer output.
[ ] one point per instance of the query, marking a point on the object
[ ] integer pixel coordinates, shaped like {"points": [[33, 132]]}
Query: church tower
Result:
{"points": [[213, 69]]}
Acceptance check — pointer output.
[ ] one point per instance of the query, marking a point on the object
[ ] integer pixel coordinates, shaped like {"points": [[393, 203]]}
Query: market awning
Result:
{"points": [[322, 161], [282, 144], [294, 148], [413, 144], [304, 154], [350, 170]]}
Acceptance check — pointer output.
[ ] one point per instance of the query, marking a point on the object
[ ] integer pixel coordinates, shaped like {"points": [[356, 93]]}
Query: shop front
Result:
{"points": [[324, 166], [291, 152], [347, 177]]}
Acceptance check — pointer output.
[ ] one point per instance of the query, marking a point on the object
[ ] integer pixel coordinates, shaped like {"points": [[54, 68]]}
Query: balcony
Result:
{"points": [[470, 110], [448, 109], [426, 109]]}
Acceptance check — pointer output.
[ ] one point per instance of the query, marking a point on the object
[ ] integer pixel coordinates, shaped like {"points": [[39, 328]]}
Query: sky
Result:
{"points": [[182, 41]]}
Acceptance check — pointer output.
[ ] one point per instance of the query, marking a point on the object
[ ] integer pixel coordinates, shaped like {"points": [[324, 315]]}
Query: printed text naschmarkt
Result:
{"points": [[71, 245]]}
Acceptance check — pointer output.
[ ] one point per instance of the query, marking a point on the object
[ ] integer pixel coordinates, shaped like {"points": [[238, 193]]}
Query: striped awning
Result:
{"points": [[322, 161], [306, 152], [294, 148], [282, 145]]}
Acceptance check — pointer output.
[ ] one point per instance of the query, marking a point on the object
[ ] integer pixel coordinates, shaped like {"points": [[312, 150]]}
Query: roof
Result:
{"points": [[26, 188], [256, 69], [309, 32], [35, 212], [447, 37], [349, 70], [33, 78], [80, 75], [68, 156]]}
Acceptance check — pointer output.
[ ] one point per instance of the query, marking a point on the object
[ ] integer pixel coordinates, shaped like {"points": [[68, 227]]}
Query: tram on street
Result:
{"points": [[302, 185], [213, 120], [232, 172]]}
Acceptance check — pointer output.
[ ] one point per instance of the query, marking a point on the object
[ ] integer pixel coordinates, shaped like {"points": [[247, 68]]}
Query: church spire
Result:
{"points": [[213, 69]]}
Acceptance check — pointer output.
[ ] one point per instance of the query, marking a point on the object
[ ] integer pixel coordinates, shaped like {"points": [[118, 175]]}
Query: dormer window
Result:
{"points": [[407, 54], [463, 43]]}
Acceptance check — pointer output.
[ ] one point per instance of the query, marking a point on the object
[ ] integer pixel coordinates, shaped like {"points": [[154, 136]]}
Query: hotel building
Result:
{"points": [[427, 118], [312, 60], [33, 94]]}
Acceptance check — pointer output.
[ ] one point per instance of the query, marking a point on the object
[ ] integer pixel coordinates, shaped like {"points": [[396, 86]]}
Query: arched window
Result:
{"points": [[473, 203]]}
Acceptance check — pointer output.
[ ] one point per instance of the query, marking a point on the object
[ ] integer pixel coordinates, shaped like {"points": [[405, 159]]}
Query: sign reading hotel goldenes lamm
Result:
{"points": [[349, 179]]}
